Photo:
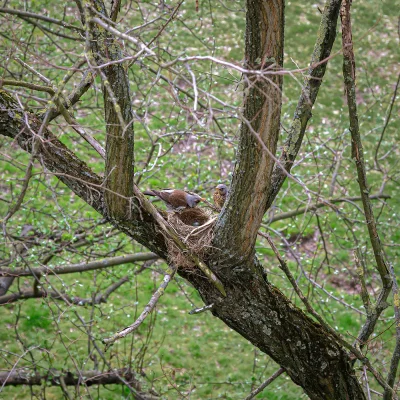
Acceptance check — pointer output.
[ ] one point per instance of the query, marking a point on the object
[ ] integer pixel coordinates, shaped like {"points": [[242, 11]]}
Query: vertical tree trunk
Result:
{"points": [[119, 170], [260, 126]]}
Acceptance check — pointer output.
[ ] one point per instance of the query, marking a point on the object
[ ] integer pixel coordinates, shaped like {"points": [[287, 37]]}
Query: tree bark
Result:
{"points": [[241, 217], [119, 168]]}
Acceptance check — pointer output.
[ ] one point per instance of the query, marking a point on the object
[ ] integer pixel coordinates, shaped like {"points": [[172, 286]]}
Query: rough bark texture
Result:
{"points": [[119, 171], [254, 308], [265, 317], [90, 378], [244, 210], [59, 160]]}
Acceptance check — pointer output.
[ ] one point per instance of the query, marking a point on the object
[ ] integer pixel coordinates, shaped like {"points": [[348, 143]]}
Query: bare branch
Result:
{"points": [[316, 206], [349, 75], [40, 17], [81, 267], [268, 381], [243, 211], [169, 274], [33, 86], [394, 363]]}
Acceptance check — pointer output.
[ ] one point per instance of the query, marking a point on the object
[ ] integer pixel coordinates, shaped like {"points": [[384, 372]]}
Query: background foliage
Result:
{"points": [[178, 355]]}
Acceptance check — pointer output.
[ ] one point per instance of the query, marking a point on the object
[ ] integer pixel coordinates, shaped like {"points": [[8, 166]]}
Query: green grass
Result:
{"points": [[199, 354]]}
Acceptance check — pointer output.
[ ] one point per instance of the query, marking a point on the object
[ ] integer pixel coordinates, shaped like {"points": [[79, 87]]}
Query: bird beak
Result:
{"points": [[202, 199]]}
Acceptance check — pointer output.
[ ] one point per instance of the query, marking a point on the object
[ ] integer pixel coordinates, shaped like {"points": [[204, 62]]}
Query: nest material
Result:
{"points": [[194, 227]]}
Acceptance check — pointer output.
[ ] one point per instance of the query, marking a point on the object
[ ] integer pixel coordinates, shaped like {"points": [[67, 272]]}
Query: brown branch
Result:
{"points": [[349, 75], [394, 362], [52, 378], [33, 86], [44, 29], [327, 327], [387, 120], [40, 294], [316, 206], [169, 274], [120, 160], [81, 267], [51, 152], [63, 163], [74, 97], [20, 13], [56, 295], [268, 381]]}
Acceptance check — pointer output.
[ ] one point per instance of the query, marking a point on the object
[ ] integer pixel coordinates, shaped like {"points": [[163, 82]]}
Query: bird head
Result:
{"points": [[193, 199], [223, 189]]}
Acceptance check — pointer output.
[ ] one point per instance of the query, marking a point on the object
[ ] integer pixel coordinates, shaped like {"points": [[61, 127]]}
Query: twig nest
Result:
{"points": [[193, 216], [194, 227]]}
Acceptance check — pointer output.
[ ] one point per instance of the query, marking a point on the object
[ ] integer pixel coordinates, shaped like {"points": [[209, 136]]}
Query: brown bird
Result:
{"points": [[219, 196], [176, 200]]}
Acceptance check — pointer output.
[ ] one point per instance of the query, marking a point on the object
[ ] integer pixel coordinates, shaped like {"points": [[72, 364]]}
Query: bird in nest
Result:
{"points": [[176, 200], [219, 196]]}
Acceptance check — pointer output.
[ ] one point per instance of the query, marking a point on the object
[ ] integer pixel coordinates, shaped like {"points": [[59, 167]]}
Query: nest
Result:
{"points": [[194, 226]]}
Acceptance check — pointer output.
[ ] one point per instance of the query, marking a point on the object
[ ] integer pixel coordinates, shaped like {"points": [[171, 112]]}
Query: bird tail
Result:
{"points": [[149, 193]]}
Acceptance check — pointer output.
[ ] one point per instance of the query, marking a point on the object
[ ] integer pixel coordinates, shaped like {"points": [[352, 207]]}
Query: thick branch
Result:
{"points": [[310, 355], [120, 160], [22, 126], [75, 96], [15, 378], [241, 217]]}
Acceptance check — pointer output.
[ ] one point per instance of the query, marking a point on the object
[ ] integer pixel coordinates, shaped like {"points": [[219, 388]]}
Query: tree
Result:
{"points": [[230, 277]]}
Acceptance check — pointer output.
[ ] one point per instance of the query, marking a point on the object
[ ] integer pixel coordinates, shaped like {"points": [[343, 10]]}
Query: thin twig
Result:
{"points": [[169, 274], [201, 309], [41, 17], [328, 328], [349, 75], [255, 392]]}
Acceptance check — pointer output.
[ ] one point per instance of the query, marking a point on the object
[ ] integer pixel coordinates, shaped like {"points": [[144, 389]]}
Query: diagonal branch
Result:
{"points": [[27, 14], [316, 206], [319, 59], [268, 381], [349, 75], [74, 173], [169, 274]]}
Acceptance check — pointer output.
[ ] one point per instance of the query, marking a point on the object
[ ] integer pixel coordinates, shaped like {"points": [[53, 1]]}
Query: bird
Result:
{"points": [[219, 196], [176, 200]]}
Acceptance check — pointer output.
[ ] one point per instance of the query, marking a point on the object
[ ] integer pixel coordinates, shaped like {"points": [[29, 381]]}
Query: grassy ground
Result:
{"points": [[198, 357]]}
